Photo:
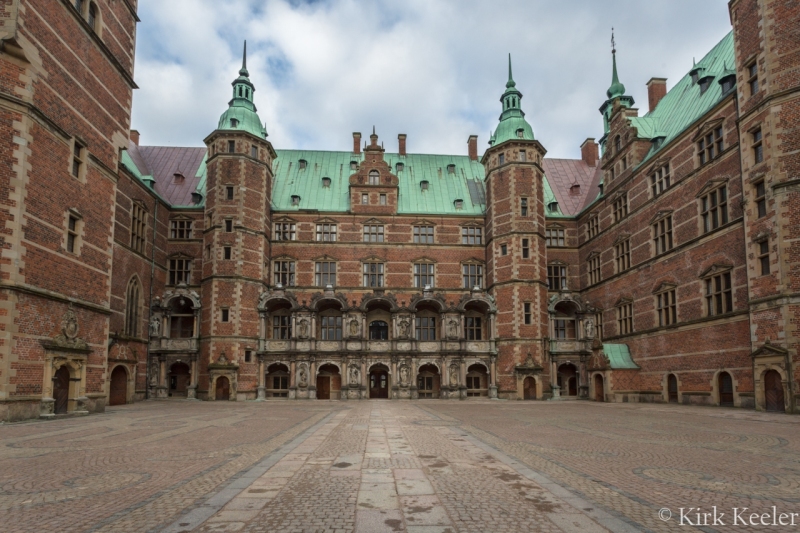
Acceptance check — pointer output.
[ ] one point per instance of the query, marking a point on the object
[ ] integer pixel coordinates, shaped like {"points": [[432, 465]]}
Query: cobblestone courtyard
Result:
{"points": [[426, 466]]}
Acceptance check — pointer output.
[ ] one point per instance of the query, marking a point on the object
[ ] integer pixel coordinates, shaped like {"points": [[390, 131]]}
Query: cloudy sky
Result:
{"points": [[433, 69]]}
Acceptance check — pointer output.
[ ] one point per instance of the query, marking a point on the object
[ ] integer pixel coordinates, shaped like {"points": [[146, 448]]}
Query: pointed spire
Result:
{"points": [[616, 89], [511, 82], [243, 71]]}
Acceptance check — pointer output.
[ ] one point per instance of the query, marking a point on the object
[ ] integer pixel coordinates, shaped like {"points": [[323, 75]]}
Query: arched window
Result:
{"points": [[92, 19], [617, 144], [79, 6], [374, 177], [132, 308], [378, 330], [181, 319]]}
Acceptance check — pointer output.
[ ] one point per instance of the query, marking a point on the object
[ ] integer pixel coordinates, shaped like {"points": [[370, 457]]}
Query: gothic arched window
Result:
{"points": [[132, 308]]}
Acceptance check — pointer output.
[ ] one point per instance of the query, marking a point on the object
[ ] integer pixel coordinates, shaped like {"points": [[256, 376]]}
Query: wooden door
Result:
{"points": [[773, 392], [118, 394], [573, 386], [323, 387], [223, 389], [61, 390], [379, 384], [599, 392], [529, 388], [725, 389], [672, 388]]}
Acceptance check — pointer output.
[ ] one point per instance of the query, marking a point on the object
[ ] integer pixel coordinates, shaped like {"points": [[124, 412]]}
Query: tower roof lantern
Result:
{"points": [[242, 114], [512, 120]]}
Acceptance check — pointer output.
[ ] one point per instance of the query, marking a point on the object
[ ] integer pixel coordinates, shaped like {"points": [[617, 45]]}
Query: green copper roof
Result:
{"points": [[512, 120], [619, 356], [616, 89], [242, 113], [685, 103]]}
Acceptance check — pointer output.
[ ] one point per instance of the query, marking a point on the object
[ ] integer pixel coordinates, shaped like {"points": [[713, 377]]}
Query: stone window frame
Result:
{"points": [[718, 296], [523, 206], [751, 69], [284, 271], [593, 226], [660, 179], [526, 248], [230, 192], [179, 269], [323, 279], [598, 324], [760, 194], [425, 326], [473, 326], [467, 274], [78, 157], [622, 253], [527, 313], [624, 309], [382, 199], [713, 208], [594, 270], [373, 273], [133, 307], [374, 177], [620, 206], [284, 230], [423, 230], [710, 142], [73, 232], [225, 315], [373, 231], [555, 236], [419, 277], [326, 228], [138, 229], [761, 241], [94, 18], [558, 272], [666, 304], [757, 144], [662, 232], [472, 232], [181, 226], [227, 253]]}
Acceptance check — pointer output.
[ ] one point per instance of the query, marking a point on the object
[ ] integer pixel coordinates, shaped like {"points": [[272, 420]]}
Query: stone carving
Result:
{"points": [[302, 375], [303, 328], [155, 326], [154, 373], [223, 360], [452, 329], [454, 376], [588, 326], [404, 372], [354, 328], [68, 338], [354, 375], [403, 327]]}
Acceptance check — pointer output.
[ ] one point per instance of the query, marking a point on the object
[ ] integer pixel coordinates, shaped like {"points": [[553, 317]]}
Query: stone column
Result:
{"points": [[364, 379], [262, 388], [191, 392], [312, 379], [583, 383], [293, 378], [395, 378], [81, 401], [493, 377], [47, 406], [163, 386], [554, 380], [463, 372], [414, 379]]}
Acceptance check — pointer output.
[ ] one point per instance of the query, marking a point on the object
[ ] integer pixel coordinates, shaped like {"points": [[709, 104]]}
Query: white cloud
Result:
{"points": [[432, 70]]}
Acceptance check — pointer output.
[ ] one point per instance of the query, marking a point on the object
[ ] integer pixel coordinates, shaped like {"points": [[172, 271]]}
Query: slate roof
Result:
{"points": [[562, 174], [162, 163]]}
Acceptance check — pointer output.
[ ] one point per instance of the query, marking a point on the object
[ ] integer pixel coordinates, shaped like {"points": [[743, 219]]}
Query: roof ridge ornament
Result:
{"points": [[511, 82], [617, 88], [243, 71]]}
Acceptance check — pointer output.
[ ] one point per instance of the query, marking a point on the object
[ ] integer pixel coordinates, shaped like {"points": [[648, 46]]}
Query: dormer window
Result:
{"points": [[374, 177], [727, 83], [705, 83], [178, 177], [399, 167], [694, 75], [451, 169], [295, 200], [552, 207], [459, 203], [423, 185], [575, 189], [353, 165], [520, 133], [326, 182], [234, 123], [302, 164]]}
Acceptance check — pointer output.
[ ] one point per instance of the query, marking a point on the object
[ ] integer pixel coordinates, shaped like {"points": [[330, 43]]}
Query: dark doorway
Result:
{"points": [[178, 379], [599, 392], [118, 393], [277, 381], [568, 380], [329, 382], [323, 387], [223, 389], [672, 388], [773, 392], [428, 381], [379, 382], [529, 388], [61, 390], [725, 389]]}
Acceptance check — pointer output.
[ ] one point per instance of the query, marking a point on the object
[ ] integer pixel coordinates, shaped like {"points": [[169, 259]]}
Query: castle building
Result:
{"points": [[663, 265]]}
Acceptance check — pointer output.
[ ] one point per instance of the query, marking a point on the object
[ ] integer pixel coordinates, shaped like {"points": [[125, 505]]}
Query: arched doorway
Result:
{"points": [[725, 384], [223, 389], [118, 391], [568, 379], [477, 381], [773, 392], [428, 381], [329, 382], [277, 381], [599, 391], [672, 388], [179, 380], [529, 388], [61, 390], [379, 382]]}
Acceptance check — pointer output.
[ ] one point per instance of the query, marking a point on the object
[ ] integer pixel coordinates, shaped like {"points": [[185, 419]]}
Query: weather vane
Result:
{"points": [[613, 46]]}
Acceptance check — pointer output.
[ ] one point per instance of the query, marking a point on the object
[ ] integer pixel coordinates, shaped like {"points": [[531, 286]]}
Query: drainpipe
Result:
{"points": [[150, 305]]}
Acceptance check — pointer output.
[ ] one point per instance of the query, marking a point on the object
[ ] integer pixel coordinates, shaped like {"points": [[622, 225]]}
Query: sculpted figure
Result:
{"points": [[302, 376], [403, 328], [155, 326], [404, 375], [154, 374], [454, 376], [303, 328], [353, 328], [354, 375], [452, 329], [589, 327]]}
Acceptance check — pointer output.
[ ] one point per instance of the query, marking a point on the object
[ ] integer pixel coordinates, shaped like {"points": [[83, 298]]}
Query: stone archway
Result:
{"points": [[725, 388], [773, 392], [568, 379], [118, 386], [379, 382], [529, 388], [428, 381], [222, 389], [329, 382]]}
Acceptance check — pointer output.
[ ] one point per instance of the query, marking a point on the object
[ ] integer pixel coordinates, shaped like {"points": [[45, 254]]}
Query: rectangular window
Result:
{"points": [[373, 274], [472, 328], [660, 180], [598, 325], [763, 257], [78, 155], [373, 233], [325, 274], [623, 255], [471, 235], [331, 328], [382, 199], [472, 276], [231, 147], [593, 228], [225, 315], [423, 234], [752, 78], [503, 249], [138, 228], [285, 231], [423, 274], [625, 319], [180, 271], [248, 356], [501, 159], [556, 277], [523, 156], [564, 329], [761, 199], [554, 237], [714, 209], [326, 232], [594, 270], [228, 225], [523, 205], [526, 251], [283, 273], [425, 328], [229, 192], [526, 314], [621, 207], [758, 147], [254, 151], [180, 229], [364, 199], [710, 146], [281, 327], [662, 235], [72, 234], [667, 308], [226, 252], [719, 297]]}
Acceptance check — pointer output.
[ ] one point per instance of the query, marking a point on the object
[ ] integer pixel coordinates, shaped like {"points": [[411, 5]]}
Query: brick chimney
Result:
{"points": [[656, 89], [472, 144], [589, 152], [356, 142], [401, 141], [135, 137]]}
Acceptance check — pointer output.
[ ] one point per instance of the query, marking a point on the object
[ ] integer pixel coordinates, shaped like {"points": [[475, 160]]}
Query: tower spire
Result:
{"points": [[243, 71], [510, 82], [616, 89]]}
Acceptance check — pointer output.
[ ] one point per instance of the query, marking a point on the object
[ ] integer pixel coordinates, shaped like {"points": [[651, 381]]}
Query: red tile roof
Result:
{"points": [[563, 174], [163, 163]]}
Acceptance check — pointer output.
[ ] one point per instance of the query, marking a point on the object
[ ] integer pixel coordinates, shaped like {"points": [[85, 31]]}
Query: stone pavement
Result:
{"points": [[424, 466]]}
